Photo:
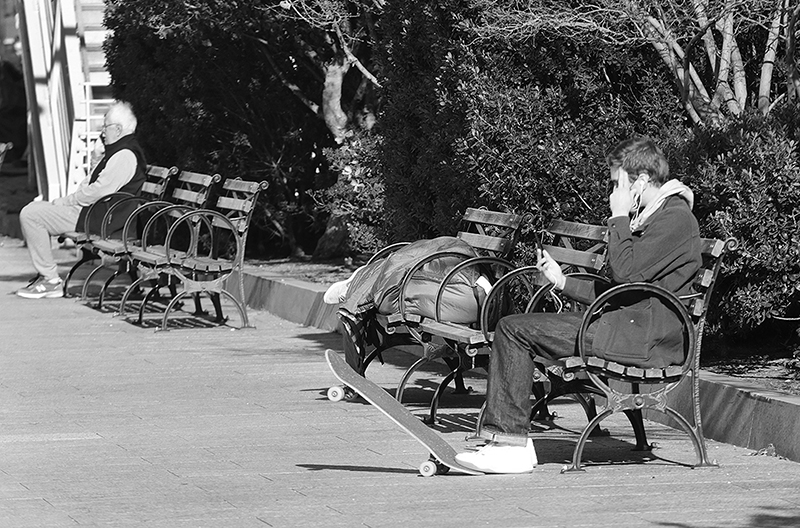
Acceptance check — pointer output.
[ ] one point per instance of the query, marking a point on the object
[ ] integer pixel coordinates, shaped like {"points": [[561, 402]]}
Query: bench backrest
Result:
{"points": [[194, 189], [491, 233], [577, 247], [713, 251], [236, 202], [158, 182], [190, 191]]}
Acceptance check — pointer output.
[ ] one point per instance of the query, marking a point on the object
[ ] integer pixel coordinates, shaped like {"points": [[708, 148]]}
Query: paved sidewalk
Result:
{"points": [[108, 424]]}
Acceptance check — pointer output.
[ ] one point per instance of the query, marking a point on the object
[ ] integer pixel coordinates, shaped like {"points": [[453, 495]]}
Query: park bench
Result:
{"points": [[215, 250], [579, 248], [630, 388], [155, 187], [633, 389], [491, 233], [147, 255]]}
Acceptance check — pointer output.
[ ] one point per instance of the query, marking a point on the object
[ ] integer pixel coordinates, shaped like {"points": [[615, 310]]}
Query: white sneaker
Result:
{"points": [[495, 457], [42, 289]]}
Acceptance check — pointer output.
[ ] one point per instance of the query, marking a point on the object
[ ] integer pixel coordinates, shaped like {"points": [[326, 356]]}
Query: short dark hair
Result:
{"points": [[640, 154]]}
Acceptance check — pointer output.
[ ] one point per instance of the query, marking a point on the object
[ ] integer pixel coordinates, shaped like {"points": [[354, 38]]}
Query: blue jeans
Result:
{"points": [[518, 338]]}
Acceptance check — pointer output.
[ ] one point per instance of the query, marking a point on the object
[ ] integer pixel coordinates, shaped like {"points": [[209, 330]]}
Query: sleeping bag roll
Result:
{"points": [[378, 286]]}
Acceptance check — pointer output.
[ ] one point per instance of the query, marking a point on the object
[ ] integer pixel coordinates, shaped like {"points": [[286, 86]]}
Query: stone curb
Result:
{"points": [[734, 411]]}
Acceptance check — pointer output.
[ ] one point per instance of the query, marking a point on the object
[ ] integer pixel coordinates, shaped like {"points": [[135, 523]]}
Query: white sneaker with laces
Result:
{"points": [[495, 457], [42, 289]]}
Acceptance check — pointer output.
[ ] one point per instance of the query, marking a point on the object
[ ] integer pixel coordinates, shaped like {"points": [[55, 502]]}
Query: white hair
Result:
{"points": [[121, 112]]}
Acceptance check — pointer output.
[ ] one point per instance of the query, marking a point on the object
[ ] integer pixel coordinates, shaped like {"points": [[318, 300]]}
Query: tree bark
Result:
{"points": [[768, 64], [332, 113]]}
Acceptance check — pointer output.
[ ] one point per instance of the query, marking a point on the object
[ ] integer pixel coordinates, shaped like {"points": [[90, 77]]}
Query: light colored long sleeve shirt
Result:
{"points": [[118, 171]]}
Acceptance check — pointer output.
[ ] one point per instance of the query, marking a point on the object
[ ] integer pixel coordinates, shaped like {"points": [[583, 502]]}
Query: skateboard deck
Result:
{"points": [[443, 456]]}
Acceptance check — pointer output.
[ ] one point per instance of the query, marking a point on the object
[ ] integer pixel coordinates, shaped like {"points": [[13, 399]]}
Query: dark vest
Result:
{"points": [[133, 187]]}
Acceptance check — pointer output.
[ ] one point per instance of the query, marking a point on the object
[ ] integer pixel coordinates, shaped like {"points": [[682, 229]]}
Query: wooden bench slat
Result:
{"points": [[574, 257], [458, 333], [250, 187], [704, 278], [634, 372], [596, 362], [152, 188], [188, 196], [712, 247], [206, 180], [573, 362], [234, 204], [696, 307], [486, 242], [497, 218], [577, 230]]}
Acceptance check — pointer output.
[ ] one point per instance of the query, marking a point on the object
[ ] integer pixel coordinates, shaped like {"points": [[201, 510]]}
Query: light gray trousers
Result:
{"points": [[40, 221]]}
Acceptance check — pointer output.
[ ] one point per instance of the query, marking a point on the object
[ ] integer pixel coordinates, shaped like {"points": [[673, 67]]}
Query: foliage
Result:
{"points": [[471, 113], [358, 193], [520, 126], [208, 80], [722, 54], [426, 62], [746, 176]]}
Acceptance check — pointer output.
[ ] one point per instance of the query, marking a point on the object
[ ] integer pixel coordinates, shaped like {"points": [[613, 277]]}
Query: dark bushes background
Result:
{"points": [[515, 125]]}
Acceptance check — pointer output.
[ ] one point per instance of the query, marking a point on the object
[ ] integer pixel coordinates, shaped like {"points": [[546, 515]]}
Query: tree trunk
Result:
{"points": [[335, 118], [768, 64]]}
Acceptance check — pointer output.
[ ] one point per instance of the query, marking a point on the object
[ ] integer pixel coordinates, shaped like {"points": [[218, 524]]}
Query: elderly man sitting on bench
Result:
{"points": [[653, 237], [122, 169]]}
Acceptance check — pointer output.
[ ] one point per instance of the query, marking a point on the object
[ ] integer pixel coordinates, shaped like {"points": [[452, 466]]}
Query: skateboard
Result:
{"points": [[442, 455]]}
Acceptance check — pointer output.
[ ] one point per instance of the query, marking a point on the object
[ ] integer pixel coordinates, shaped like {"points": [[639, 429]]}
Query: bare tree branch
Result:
{"points": [[354, 60]]}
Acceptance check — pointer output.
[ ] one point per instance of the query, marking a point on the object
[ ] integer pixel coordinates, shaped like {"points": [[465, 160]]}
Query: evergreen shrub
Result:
{"points": [[746, 176]]}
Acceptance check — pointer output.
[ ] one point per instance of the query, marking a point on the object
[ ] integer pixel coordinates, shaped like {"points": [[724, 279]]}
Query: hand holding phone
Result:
{"points": [[621, 200], [550, 269]]}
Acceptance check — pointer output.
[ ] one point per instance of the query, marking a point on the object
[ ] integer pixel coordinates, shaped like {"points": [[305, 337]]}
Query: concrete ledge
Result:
{"points": [[297, 301], [741, 413], [734, 411]]}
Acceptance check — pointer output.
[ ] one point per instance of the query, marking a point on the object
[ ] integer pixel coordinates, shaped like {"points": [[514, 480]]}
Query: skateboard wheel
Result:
{"points": [[336, 394], [428, 468]]}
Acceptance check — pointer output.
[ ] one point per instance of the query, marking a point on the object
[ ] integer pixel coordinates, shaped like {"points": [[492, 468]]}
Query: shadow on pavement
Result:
{"points": [[360, 469]]}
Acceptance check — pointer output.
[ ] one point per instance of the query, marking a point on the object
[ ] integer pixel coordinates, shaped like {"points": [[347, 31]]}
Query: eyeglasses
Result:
{"points": [[104, 127]]}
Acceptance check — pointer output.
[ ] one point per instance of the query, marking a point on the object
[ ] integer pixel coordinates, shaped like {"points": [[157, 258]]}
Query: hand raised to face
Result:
{"points": [[621, 200]]}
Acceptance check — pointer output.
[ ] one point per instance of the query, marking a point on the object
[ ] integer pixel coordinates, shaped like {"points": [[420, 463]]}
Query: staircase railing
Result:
{"points": [[54, 80]]}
